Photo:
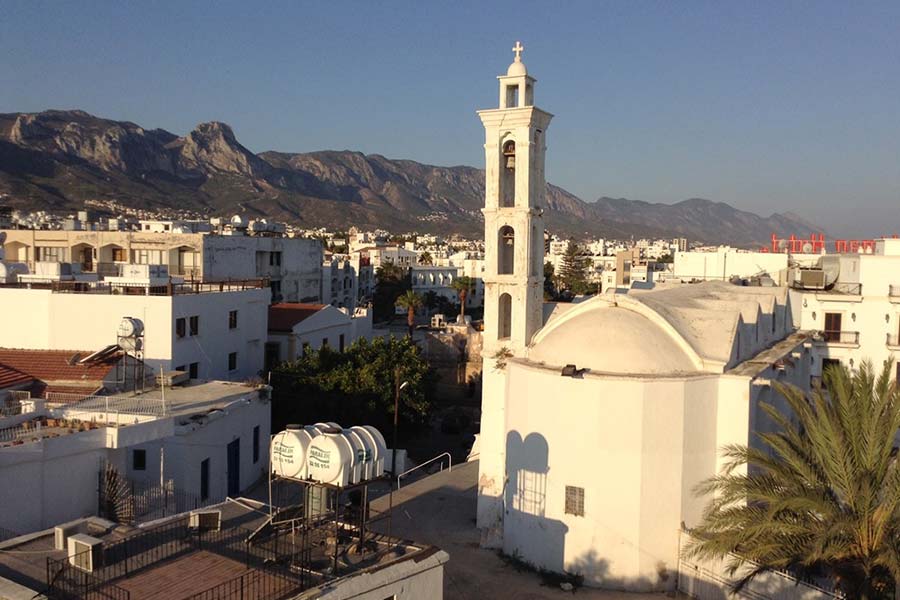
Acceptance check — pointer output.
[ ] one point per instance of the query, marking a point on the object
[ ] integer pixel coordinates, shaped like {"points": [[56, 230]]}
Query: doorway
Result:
{"points": [[234, 468]]}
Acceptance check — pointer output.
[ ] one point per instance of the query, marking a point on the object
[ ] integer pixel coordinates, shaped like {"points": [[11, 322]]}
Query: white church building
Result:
{"points": [[600, 418]]}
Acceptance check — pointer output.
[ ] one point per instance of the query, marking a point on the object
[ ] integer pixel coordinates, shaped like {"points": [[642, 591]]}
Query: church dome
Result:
{"points": [[516, 69], [610, 339]]}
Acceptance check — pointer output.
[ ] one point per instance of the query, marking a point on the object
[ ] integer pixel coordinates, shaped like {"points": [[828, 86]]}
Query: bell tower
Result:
{"points": [[513, 269], [514, 151]]}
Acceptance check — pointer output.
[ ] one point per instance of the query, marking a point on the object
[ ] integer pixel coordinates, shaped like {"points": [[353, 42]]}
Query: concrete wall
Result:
{"points": [[726, 263], [44, 320]]}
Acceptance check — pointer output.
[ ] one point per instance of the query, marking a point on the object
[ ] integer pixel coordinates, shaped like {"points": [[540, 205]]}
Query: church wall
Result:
{"points": [[625, 442], [492, 454]]}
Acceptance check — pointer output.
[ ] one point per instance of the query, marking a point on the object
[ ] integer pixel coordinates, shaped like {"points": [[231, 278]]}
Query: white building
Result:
{"points": [[205, 440], [852, 303], [295, 327], [726, 262], [440, 281], [600, 418], [293, 266], [210, 331], [340, 282]]}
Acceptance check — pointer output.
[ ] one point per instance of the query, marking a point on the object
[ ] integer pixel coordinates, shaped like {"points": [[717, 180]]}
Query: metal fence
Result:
{"points": [[841, 337], [108, 406], [119, 560], [126, 501]]}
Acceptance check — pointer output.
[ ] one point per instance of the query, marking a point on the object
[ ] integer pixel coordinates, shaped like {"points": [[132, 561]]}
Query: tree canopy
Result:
{"points": [[390, 283], [821, 496], [355, 386]]}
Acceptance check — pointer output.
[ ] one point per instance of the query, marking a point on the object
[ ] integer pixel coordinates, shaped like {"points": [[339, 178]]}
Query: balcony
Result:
{"points": [[841, 338], [893, 341], [894, 293]]}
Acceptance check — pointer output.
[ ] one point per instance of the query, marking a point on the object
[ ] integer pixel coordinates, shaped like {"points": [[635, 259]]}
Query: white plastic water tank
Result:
{"points": [[289, 450], [239, 222], [330, 458], [375, 450]]}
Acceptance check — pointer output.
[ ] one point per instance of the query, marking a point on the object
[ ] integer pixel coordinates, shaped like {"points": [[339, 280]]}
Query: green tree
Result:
{"points": [[411, 301], [822, 494], [430, 300], [463, 286], [391, 281], [355, 386], [425, 258], [571, 270], [549, 276]]}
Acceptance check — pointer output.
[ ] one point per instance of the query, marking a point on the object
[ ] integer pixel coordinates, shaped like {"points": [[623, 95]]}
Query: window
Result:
{"points": [[256, 444], [49, 254], [232, 361], [194, 371], [195, 325], [275, 286], [274, 259], [505, 317], [506, 250], [574, 501], [118, 255], [832, 327], [179, 327], [181, 368], [204, 479], [341, 342], [324, 342], [139, 460], [232, 319]]}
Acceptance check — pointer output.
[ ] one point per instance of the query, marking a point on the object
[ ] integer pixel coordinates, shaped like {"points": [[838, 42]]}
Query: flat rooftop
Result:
{"points": [[169, 560]]}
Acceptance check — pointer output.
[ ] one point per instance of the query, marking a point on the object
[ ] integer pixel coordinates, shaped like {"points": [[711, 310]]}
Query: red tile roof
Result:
{"points": [[50, 370], [283, 317]]}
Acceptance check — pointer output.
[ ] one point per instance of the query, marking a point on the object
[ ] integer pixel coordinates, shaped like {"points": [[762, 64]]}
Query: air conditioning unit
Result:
{"points": [[812, 279], [62, 533], [206, 520], [85, 552]]}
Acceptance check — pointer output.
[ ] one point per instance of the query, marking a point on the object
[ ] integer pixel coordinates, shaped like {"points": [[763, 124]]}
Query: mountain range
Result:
{"points": [[56, 160]]}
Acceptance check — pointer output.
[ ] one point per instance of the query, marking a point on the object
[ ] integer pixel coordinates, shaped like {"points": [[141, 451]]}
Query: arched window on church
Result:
{"points": [[508, 174], [504, 320], [506, 250]]}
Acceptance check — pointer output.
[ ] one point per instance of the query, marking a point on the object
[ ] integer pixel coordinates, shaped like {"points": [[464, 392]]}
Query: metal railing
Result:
{"points": [[841, 337], [426, 463], [137, 289], [894, 291], [268, 580], [109, 406], [259, 584], [850, 289]]}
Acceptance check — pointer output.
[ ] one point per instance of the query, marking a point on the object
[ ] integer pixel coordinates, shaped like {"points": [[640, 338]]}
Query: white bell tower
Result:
{"points": [[513, 269], [513, 213]]}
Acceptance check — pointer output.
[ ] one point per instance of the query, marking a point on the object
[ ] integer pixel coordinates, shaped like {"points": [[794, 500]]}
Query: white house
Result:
{"points": [[203, 440], [600, 418], [293, 266], [295, 327], [852, 304], [210, 331]]}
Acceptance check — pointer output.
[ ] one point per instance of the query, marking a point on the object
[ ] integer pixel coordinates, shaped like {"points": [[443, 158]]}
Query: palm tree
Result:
{"points": [[411, 301], [822, 496], [425, 258], [463, 285]]}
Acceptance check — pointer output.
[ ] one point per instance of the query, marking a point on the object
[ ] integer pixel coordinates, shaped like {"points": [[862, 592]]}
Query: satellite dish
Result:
{"points": [[807, 248]]}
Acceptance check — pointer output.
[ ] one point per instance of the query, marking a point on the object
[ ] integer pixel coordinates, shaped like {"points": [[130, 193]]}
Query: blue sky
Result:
{"points": [[769, 106]]}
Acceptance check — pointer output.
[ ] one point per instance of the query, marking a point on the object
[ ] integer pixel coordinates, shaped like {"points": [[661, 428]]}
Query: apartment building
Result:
{"points": [[293, 266]]}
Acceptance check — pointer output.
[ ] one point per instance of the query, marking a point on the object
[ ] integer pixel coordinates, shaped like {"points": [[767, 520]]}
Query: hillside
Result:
{"points": [[55, 160]]}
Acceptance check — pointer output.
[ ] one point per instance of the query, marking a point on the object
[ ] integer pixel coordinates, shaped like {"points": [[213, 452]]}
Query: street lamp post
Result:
{"points": [[397, 388]]}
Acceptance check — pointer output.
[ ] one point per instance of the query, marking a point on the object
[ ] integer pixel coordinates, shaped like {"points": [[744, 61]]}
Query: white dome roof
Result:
{"points": [[516, 69], [611, 339]]}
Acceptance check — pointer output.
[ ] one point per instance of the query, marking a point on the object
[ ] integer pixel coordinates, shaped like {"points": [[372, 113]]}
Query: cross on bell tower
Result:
{"points": [[513, 212]]}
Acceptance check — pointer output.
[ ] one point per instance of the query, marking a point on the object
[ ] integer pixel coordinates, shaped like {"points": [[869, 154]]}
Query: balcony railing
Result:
{"points": [[850, 289], [137, 289], [893, 340], [894, 291], [841, 337]]}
